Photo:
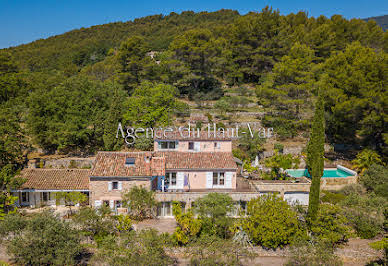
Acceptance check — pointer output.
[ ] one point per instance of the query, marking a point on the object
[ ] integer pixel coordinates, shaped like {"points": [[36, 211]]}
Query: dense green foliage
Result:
{"points": [[271, 222], [141, 202], [315, 159], [188, 227], [213, 210], [67, 93], [376, 179], [313, 254], [44, 239], [330, 225], [211, 250], [135, 248], [281, 161]]}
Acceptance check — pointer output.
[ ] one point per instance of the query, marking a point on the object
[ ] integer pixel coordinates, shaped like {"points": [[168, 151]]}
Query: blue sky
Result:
{"points": [[23, 21]]}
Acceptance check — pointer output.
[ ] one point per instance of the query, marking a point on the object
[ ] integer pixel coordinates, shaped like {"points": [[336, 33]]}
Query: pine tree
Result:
{"points": [[315, 159]]}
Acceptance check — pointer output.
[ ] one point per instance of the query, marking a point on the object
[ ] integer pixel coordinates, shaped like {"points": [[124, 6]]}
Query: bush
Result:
{"points": [[330, 225], [365, 159], [279, 147], [375, 179], [46, 240], [211, 250], [134, 248], [141, 203], [188, 226], [333, 198], [304, 253], [213, 210], [93, 223], [365, 213], [144, 144], [12, 224], [271, 222]]}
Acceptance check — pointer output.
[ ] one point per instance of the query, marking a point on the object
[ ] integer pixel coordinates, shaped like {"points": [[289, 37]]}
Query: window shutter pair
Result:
{"points": [[110, 186]]}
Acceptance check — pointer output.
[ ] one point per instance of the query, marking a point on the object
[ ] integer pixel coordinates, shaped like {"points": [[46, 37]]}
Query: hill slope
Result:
{"points": [[90, 45], [382, 21]]}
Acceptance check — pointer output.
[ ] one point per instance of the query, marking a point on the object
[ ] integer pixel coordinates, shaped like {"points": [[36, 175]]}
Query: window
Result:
{"points": [[191, 145], [106, 203], [215, 145], [218, 178], [167, 145], [130, 161], [118, 204], [164, 209], [170, 179], [46, 196], [25, 197], [115, 185]]}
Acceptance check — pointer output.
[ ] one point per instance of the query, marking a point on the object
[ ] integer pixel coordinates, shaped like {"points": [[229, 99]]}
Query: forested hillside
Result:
{"points": [[67, 93], [382, 21]]}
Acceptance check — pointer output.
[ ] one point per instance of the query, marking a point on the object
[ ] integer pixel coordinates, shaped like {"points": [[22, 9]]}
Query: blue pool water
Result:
{"points": [[327, 173]]}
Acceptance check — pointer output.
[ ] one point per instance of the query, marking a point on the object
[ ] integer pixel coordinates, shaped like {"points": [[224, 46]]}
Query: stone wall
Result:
{"points": [[99, 189], [66, 163], [190, 197]]}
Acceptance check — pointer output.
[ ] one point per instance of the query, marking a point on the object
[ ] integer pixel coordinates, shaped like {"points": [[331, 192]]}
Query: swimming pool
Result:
{"points": [[340, 172]]}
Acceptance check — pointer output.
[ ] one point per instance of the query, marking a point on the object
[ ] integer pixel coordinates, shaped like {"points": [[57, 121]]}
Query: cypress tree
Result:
{"points": [[315, 156], [113, 117]]}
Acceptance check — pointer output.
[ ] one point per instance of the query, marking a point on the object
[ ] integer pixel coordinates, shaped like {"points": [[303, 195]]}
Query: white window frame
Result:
{"points": [[220, 176], [169, 178], [165, 209]]}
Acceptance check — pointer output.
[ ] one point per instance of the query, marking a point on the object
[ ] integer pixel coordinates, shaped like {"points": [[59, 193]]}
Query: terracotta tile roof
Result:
{"points": [[198, 160], [112, 164], [56, 179], [201, 135]]}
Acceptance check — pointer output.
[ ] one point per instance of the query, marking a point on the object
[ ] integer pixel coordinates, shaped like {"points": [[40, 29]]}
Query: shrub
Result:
{"points": [[12, 224], [144, 144], [304, 253], [271, 222], [213, 210], [333, 198], [365, 159], [240, 154], [211, 250], [134, 248], [375, 179], [279, 147], [46, 240], [93, 223], [141, 203], [365, 213], [188, 226], [330, 225]]}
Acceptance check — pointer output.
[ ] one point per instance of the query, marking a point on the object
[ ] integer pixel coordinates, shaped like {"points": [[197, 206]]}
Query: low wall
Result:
{"points": [[281, 187], [69, 163], [189, 197], [337, 183]]}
